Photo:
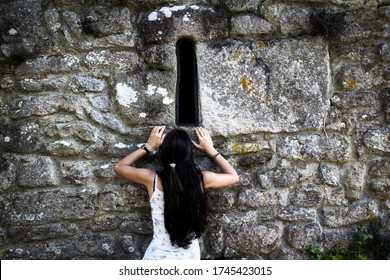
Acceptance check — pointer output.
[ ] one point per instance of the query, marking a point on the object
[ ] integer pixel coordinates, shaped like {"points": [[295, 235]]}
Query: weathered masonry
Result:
{"points": [[296, 94]]}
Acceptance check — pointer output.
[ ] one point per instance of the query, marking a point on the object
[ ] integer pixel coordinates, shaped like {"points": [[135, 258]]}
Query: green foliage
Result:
{"points": [[356, 251]]}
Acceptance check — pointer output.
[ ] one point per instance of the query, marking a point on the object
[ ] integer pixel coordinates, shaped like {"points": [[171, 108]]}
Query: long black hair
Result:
{"points": [[185, 200]]}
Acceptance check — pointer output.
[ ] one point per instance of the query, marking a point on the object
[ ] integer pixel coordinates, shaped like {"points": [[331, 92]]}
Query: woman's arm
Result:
{"points": [[228, 175], [142, 176]]}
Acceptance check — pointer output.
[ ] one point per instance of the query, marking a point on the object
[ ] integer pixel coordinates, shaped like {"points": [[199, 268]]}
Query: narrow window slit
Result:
{"points": [[187, 84]]}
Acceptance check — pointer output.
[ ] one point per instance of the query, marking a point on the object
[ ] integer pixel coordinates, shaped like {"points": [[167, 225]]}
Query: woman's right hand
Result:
{"points": [[205, 142]]}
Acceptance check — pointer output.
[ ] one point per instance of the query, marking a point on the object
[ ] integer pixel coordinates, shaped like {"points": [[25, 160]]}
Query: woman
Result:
{"points": [[177, 193]]}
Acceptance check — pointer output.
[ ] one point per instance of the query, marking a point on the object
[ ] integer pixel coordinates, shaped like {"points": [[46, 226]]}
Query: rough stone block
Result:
{"points": [[329, 174], [25, 17], [334, 196], [385, 103], [81, 83], [294, 214], [256, 159], [170, 23], [238, 5], [43, 232], [385, 51], [76, 130], [101, 21], [46, 206], [379, 168], [49, 64], [46, 84], [7, 174], [295, 21], [303, 234], [221, 201], [333, 238], [160, 57], [122, 197], [64, 148], [361, 76], [213, 242], [147, 99], [259, 238], [359, 211], [376, 138], [111, 60], [317, 147], [362, 24], [354, 180], [380, 188], [104, 223], [75, 172], [258, 85], [348, 100], [105, 170], [139, 222], [306, 195], [254, 198], [249, 25], [41, 105], [83, 246], [20, 137], [37, 172], [129, 40], [285, 174]]}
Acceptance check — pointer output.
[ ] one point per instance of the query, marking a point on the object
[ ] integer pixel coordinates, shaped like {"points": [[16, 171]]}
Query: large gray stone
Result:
{"points": [[359, 211], [379, 168], [147, 99], [257, 239], [317, 147], [329, 174], [75, 172], [376, 138], [168, 24], [258, 85], [380, 188], [7, 174], [49, 64], [354, 180], [295, 214], [362, 76], [43, 232], [43, 207], [285, 174], [41, 105], [101, 21], [37, 172], [82, 246], [306, 195], [250, 25], [20, 137], [299, 235], [254, 198]]}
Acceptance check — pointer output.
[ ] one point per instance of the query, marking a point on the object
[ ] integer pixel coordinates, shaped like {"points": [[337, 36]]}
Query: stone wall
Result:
{"points": [[296, 94]]}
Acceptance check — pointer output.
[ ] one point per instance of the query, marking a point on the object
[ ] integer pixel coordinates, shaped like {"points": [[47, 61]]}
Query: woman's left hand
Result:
{"points": [[156, 138]]}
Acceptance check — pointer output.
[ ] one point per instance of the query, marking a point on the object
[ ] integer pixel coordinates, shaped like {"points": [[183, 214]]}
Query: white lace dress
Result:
{"points": [[161, 247]]}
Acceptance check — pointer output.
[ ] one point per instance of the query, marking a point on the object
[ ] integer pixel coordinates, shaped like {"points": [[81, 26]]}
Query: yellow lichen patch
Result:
{"points": [[245, 82], [260, 44], [351, 82], [237, 53], [253, 59], [239, 148]]}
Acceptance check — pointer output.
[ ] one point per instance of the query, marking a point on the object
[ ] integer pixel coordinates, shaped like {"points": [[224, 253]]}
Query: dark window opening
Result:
{"points": [[187, 84]]}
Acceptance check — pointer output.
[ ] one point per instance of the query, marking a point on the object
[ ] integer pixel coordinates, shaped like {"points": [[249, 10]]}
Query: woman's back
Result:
{"points": [[161, 246]]}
